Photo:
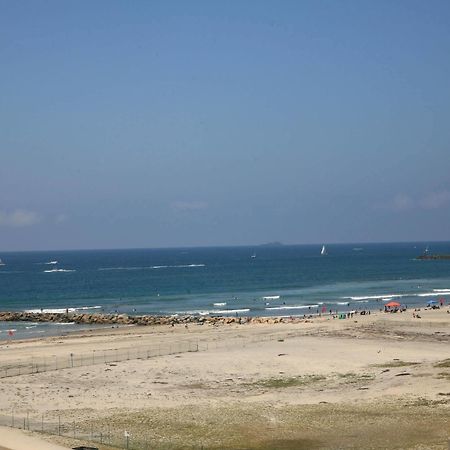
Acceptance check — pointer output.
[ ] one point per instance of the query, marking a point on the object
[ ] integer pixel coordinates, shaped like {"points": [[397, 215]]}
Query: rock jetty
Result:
{"points": [[124, 319], [428, 256]]}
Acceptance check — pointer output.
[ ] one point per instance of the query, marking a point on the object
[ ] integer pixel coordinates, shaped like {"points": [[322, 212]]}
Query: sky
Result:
{"points": [[202, 123]]}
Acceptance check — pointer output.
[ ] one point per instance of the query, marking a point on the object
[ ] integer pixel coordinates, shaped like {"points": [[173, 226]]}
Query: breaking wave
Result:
{"points": [[61, 310], [59, 270], [178, 266], [273, 308]]}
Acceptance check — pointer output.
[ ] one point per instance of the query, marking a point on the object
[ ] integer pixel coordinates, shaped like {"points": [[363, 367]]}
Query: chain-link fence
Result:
{"points": [[71, 360], [121, 439], [49, 363]]}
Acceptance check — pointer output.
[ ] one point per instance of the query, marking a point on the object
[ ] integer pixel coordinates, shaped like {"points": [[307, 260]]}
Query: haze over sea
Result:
{"points": [[262, 280]]}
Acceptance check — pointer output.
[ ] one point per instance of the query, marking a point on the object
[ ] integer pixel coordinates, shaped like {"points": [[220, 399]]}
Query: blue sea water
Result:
{"points": [[278, 280]]}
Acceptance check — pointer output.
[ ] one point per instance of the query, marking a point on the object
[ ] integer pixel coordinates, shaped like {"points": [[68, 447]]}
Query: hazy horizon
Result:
{"points": [[426, 243]]}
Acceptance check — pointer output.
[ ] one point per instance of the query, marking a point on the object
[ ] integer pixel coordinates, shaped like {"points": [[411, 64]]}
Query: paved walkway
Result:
{"points": [[14, 439]]}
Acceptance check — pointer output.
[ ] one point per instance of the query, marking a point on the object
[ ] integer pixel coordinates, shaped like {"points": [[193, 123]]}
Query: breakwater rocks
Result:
{"points": [[123, 319], [433, 257]]}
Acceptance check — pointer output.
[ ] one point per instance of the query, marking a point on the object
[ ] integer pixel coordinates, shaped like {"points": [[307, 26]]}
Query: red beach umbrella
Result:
{"points": [[392, 304]]}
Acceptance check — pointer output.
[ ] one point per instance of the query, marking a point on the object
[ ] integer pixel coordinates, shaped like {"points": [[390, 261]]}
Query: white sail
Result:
{"points": [[323, 251], [1, 262]]}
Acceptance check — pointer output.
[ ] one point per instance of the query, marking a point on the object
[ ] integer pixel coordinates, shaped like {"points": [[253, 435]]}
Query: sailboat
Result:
{"points": [[323, 251], [1, 262]]}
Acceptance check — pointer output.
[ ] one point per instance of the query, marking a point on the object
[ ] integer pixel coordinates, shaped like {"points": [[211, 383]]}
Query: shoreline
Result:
{"points": [[150, 320], [247, 380]]}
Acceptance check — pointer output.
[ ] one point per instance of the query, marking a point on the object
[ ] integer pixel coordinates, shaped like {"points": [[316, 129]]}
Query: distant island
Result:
{"points": [[272, 244]]}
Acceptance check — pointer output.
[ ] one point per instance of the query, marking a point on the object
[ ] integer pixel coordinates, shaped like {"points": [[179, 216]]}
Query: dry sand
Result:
{"points": [[378, 381]]}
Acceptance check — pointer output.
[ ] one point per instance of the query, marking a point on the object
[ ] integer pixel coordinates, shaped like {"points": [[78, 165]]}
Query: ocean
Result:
{"points": [[281, 280]]}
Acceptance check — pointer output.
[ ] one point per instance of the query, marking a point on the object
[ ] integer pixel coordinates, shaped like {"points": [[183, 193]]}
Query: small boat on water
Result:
{"points": [[323, 252], [1, 262], [253, 256]]}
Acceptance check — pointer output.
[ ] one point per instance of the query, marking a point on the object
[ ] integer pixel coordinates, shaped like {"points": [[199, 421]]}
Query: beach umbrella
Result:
{"points": [[431, 302], [392, 304]]}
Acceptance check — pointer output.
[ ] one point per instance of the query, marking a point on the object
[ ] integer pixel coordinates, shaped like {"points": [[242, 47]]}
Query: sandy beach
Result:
{"points": [[371, 381]]}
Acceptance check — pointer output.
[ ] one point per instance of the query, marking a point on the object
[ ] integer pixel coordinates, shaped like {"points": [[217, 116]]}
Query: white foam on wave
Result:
{"points": [[272, 308], [61, 310], [432, 294], [231, 311], [222, 311], [178, 266], [220, 304], [83, 308], [50, 310], [59, 270], [376, 297], [388, 297], [271, 297]]}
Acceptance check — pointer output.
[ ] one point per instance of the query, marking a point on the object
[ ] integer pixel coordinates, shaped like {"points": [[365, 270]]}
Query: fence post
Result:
{"points": [[59, 425], [42, 423], [12, 416]]}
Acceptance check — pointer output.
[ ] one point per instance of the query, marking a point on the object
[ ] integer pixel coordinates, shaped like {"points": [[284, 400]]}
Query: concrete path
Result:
{"points": [[14, 439]]}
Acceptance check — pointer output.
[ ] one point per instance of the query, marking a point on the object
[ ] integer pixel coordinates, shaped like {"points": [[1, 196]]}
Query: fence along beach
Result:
{"points": [[147, 380]]}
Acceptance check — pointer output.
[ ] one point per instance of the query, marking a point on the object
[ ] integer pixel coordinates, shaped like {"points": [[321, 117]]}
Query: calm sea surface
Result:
{"points": [[264, 280]]}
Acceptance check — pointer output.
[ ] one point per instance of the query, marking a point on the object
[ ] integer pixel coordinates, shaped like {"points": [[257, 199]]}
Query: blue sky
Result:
{"points": [[173, 123]]}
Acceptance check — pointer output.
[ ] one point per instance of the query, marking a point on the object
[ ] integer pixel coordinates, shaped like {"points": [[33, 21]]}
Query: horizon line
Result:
{"points": [[265, 244]]}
